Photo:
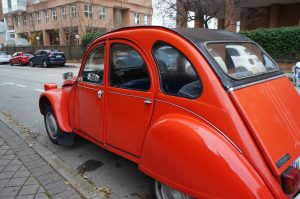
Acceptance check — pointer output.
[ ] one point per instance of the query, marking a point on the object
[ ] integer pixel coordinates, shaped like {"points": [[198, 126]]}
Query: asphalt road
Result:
{"points": [[20, 88]]}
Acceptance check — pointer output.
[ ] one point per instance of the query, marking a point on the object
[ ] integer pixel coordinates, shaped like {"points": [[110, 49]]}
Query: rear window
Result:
{"points": [[241, 59]]}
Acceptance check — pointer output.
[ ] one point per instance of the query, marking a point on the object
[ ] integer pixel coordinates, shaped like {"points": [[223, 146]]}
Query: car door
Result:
{"points": [[35, 58], [129, 97], [89, 98]]}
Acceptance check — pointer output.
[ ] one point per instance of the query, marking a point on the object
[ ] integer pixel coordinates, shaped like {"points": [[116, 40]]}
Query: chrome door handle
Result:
{"points": [[148, 101], [100, 93]]}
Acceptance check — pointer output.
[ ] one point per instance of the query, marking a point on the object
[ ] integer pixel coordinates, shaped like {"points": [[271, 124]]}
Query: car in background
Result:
{"points": [[21, 58], [4, 57], [47, 58], [296, 74]]}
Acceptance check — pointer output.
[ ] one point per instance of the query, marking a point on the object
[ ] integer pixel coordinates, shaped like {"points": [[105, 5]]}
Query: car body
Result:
{"points": [[47, 58], [4, 57], [296, 74], [197, 129], [21, 58]]}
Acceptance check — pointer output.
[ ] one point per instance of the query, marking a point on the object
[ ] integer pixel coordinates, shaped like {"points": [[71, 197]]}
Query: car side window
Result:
{"points": [[93, 71], [127, 68], [177, 75]]}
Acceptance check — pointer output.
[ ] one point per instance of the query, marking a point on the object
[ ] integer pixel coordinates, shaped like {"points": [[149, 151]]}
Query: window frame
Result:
{"points": [[73, 10], [102, 12], [46, 16], [100, 44], [137, 18], [146, 19], [88, 10], [247, 77], [64, 12], [38, 17], [159, 75], [141, 54], [54, 14]]}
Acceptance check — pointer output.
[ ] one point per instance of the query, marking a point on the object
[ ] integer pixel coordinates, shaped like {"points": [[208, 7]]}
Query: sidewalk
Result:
{"points": [[24, 174]]}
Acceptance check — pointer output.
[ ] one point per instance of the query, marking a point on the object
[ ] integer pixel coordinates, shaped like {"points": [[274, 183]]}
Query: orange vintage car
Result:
{"points": [[205, 113]]}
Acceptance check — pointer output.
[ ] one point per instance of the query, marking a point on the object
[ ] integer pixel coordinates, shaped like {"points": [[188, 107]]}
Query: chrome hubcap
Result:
{"points": [[51, 125], [164, 192], [45, 64]]}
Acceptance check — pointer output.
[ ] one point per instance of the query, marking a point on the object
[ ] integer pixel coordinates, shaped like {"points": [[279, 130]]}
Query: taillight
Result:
{"points": [[290, 180]]}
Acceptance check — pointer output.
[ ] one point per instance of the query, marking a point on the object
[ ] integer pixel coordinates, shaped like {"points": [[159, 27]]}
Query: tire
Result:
{"points": [[62, 65], [45, 65], [11, 63], [162, 191], [51, 125], [31, 64]]}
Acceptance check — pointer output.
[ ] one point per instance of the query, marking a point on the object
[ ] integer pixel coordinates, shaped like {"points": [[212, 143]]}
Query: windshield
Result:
{"points": [[241, 59]]}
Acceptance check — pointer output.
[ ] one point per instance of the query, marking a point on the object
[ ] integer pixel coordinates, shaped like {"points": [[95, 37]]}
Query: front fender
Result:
{"points": [[58, 99], [191, 156]]}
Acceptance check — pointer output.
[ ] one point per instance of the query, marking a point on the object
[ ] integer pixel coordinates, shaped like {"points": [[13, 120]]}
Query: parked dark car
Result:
{"points": [[47, 58], [21, 58]]}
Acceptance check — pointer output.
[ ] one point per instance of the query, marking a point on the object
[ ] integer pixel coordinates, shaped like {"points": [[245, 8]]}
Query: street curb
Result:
{"points": [[86, 189]]}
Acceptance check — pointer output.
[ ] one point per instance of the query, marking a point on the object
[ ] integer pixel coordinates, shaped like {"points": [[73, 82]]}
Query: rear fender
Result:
{"points": [[58, 99], [191, 156]]}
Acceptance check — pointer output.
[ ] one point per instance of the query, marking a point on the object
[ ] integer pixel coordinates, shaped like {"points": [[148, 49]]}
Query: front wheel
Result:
{"points": [[31, 64], [11, 63], [162, 191], [51, 125]]}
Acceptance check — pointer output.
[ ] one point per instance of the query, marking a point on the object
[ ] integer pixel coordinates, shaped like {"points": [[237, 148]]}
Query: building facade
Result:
{"points": [[241, 15], [53, 22]]}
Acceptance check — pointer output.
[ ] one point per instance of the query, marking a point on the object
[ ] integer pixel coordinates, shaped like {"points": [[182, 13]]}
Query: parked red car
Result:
{"points": [[198, 116], [21, 58]]}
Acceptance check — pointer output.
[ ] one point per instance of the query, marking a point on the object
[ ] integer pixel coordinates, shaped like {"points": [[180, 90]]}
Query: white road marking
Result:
{"points": [[39, 90], [4, 70], [20, 85], [9, 83], [54, 76]]}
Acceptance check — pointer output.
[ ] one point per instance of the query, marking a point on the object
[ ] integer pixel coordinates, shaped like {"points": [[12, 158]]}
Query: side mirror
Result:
{"points": [[93, 77], [68, 76]]}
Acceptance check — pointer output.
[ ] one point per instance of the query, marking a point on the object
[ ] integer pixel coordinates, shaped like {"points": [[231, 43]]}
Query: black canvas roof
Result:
{"points": [[204, 35]]}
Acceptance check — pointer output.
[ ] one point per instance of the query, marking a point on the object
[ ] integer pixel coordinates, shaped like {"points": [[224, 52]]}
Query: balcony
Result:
{"points": [[14, 6]]}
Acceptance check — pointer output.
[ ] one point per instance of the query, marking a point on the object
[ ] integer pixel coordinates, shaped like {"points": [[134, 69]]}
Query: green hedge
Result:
{"points": [[283, 44], [88, 37]]}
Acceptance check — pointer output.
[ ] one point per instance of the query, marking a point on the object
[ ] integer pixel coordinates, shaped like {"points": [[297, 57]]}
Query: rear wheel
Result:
{"points": [[51, 125], [162, 191]]}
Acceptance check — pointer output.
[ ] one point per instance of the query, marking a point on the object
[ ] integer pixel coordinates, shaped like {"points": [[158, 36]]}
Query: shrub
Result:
{"points": [[283, 44], [88, 37]]}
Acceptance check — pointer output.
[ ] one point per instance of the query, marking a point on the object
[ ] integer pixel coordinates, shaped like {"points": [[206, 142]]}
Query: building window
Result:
{"points": [[30, 19], [118, 16], [63, 12], [102, 12], [24, 20], [54, 14], [38, 17], [46, 16], [73, 11], [136, 18], [146, 20], [88, 10], [18, 20]]}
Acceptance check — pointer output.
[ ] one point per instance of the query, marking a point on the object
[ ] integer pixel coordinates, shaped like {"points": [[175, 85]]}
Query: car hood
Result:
{"points": [[271, 111]]}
